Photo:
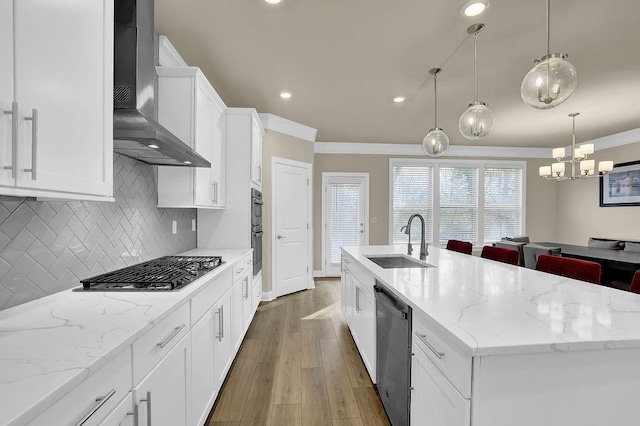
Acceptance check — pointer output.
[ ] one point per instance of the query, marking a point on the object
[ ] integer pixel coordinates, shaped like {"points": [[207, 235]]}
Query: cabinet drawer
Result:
{"points": [[93, 399], [153, 346], [451, 361], [365, 277], [203, 301], [241, 267]]}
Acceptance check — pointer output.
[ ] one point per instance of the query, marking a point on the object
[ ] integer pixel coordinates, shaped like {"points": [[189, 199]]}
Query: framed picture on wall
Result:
{"points": [[621, 186]]}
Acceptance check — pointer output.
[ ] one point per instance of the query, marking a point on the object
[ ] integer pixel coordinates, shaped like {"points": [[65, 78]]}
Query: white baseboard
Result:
{"points": [[268, 296]]}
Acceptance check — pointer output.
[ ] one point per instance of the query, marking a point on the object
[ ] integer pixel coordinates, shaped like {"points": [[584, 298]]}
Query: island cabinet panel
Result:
{"points": [[203, 376], [164, 395], [359, 308], [434, 400], [123, 414], [586, 388]]}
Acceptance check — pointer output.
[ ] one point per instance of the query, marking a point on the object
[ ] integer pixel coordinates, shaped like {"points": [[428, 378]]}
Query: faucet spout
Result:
{"points": [[423, 244]]}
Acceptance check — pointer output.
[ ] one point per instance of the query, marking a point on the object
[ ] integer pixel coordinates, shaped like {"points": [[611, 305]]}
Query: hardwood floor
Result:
{"points": [[298, 365]]}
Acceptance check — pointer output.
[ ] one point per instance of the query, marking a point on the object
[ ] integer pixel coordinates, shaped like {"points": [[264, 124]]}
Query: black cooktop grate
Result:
{"points": [[163, 273]]}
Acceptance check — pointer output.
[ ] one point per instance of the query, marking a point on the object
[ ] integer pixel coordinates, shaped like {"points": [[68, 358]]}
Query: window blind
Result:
{"points": [[345, 217], [458, 203], [502, 202], [412, 191]]}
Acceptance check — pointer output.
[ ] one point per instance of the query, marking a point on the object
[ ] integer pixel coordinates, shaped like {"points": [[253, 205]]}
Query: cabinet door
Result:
{"points": [[367, 331], [256, 154], [247, 300], [218, 153], [222, 326], [203, 194], [122, 415], [163, 397], [256, 294], [203, 378], [237, 299], [433, 398], [6, 91], [64, 71], [343, 288]]}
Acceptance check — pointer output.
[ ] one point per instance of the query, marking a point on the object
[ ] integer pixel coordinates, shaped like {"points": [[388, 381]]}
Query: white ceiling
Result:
{"points": [[345, 60]]}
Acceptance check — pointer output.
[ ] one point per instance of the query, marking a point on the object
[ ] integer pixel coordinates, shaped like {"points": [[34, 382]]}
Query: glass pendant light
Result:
{"points": [[552, 79], [477, 121], [436, 142]]}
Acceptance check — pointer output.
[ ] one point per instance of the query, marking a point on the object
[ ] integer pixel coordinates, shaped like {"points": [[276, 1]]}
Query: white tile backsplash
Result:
{"points": [[48, 246]]}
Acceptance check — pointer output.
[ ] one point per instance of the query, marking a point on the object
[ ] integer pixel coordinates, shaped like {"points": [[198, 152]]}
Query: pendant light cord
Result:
{"points": [[475, 65], [435, 95], [548, 27]]}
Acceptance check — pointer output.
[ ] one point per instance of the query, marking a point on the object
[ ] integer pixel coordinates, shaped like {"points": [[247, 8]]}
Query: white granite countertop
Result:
{"points": [[50, 345], [492, 308]]}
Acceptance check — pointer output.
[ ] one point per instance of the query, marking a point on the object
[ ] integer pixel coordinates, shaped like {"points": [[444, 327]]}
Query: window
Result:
{"points": [[477, 201]]}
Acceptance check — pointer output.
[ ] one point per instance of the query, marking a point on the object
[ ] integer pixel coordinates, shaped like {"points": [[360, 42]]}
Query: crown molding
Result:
{"points": [[416, 150], [288, 127], [613, 141]]}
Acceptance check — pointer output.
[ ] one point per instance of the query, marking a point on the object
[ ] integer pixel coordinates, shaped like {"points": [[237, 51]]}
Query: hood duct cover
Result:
{"points": [[134, 83]]}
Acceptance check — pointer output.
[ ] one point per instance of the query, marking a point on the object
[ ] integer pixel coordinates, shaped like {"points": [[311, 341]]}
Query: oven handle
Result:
{"points": [[257, 233], [258, 202]]}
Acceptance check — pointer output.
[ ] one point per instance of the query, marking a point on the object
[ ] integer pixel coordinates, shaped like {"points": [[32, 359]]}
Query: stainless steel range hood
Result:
{"points": [[136, 132]]}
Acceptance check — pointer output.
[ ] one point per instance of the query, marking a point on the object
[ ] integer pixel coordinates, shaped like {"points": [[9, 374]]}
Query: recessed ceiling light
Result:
{"points": [[154, 146], [285, 95], [399, 99], [273, 1], [474, 7], [187, 162]]}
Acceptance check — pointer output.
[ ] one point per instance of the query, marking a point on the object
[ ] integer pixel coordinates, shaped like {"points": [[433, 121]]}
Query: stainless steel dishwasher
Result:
{"points": [[393, 351]]}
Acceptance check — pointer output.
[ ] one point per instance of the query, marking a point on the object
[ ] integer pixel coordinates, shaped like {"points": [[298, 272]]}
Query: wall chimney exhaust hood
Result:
{"points": [[136, 132]]}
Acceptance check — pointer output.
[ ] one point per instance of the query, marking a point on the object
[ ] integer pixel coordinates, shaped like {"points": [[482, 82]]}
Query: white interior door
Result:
{"points": [[291, 227], [346, 222]]}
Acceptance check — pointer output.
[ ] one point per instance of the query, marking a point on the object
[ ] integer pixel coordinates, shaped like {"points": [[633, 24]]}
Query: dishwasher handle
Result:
{"points": [[394, 305]]}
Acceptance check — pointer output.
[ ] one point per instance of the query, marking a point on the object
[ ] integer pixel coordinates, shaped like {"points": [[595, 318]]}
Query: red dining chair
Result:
{"points": [[571, 268], [500, 254], [635, 283], [460, 246]]}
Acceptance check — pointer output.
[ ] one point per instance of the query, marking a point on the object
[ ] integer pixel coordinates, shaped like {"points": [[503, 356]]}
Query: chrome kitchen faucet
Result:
{"points": [[407, 230]]}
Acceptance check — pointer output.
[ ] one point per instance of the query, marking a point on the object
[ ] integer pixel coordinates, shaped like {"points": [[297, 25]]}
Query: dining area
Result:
{"points": [[608, 262]]}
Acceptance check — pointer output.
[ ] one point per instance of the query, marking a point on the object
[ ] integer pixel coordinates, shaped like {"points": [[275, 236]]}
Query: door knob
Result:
{"points": [[280, 237]]}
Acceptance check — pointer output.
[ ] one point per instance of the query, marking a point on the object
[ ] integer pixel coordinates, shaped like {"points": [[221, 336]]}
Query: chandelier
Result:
{"points": [[579, 156]]}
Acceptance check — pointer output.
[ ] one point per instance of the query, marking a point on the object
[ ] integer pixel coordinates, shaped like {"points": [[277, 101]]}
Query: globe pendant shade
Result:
{"points": [[549, 83], [435, 143], [476, 122]]}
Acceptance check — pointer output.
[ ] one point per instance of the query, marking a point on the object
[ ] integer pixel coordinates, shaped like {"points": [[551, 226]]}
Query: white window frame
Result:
{"points": [[481, 164]]}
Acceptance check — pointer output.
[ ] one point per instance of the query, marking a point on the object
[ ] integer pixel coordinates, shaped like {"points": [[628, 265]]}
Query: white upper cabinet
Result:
{"points": [[190, 108], [58, 142], [256, 153]]}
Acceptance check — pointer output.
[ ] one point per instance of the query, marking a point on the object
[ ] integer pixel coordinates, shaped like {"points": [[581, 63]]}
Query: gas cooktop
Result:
{"points": [[162, 274]]}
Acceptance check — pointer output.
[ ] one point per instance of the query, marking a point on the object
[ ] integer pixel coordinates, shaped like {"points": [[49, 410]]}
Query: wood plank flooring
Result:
{"points": [[298, 365]]}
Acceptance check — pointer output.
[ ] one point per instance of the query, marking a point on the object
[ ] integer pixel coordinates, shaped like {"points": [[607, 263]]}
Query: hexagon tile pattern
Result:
{"points": [[48, 246]]}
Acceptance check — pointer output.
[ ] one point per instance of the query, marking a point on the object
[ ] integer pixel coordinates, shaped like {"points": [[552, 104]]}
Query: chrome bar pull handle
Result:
{"points": [[246, 287], [221, 322], [219, 312], [437, 353], [357, 299], [100, 401], [14, 139], [136, 415], [173, 334], [148, 401], [34, 143], [259, 173]]}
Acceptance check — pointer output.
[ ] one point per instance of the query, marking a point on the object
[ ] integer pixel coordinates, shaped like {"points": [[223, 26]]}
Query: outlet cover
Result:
{"points": [[174, 227], [193, 225]]}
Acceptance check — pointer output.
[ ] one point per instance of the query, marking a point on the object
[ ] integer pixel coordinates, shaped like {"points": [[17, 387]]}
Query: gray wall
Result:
{"points": [[46, 247]]}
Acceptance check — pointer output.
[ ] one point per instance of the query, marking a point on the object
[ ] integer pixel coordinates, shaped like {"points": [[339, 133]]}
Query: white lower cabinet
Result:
{"points": [[163, 397], [367, 313], [123, 414], [434, 400], [256, 294], [203, 375], [222, 349], [237, 299]]}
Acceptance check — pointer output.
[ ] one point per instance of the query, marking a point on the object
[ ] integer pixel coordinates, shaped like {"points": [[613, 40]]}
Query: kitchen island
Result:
{"points": [[95, 358], [496, 344]]}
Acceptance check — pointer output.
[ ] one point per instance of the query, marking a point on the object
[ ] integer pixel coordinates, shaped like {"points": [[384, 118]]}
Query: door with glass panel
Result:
{"points": [[345, 200]]}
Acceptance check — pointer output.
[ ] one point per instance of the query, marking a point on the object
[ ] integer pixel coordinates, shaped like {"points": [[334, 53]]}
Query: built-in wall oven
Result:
{"points": [[256, 230]]}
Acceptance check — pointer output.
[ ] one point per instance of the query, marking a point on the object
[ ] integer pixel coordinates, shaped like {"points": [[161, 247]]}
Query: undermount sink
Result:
{"points": [[397, 262]]}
